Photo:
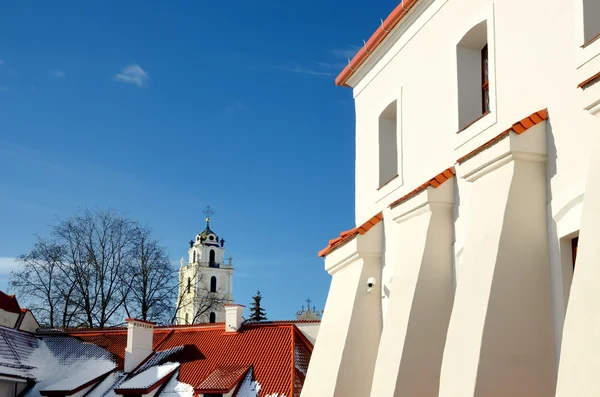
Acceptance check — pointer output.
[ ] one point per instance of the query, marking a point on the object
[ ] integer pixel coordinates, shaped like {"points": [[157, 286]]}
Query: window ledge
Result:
{"points": [[473, 122], [591, 41], [388, 182]]}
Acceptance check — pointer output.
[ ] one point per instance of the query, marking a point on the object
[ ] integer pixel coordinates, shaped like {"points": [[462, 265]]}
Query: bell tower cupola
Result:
{"points": [[209, 277]]}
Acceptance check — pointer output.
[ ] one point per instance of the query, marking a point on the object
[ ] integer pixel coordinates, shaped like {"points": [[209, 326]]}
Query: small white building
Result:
{"points": [[474, 266], [205, 280]]}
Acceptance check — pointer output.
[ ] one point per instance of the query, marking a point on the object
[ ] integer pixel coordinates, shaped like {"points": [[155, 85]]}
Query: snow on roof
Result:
{"points": [[248, 387], [161, 357], [15, 349], [269, 348], [148, 378], [175, 388], [108, 384], [65, 363]]}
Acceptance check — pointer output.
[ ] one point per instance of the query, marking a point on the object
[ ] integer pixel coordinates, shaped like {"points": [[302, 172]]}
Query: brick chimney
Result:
{"points": [[139, 342], [233, 317]]}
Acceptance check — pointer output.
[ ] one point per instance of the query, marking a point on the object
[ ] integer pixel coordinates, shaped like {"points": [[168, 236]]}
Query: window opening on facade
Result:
{"points": [[388, 144], [473, 76]]}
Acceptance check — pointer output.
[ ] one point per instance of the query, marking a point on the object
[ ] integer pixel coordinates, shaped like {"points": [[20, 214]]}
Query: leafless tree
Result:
{"points": [[155, 281], [42, 283], [95, 268]]}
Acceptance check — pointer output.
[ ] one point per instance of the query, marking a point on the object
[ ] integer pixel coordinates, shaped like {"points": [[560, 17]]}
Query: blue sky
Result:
{"points": [[159, 108]]}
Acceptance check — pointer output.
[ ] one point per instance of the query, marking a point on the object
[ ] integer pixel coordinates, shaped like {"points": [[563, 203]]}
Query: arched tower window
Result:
{"points": [[187, 321], [213, 284], [212, 317], [194, 261], [189, 285], [211, 258]]}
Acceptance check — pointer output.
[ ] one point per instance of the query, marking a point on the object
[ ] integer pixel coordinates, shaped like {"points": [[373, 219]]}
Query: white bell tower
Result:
{"points": [[205, 281]]}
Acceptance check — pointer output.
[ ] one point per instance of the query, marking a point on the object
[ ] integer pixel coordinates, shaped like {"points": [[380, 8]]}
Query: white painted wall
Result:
{"points": [[29, 323], [310, 330], [511, 228], [8, 319]]}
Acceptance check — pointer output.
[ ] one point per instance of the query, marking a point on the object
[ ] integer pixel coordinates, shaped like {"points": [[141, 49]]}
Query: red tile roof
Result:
{"points": [[223, 379], [376, 39], [589, 81], [518, 127], [433, 182], [268, 348], [350, 234], [9, 303]]}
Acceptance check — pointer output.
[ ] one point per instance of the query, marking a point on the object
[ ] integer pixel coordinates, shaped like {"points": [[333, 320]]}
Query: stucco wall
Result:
{"points": [[8, 319], [510, 245]]}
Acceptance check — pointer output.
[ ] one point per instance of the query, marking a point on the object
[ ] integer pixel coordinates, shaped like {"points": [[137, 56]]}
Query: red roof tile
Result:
{"points": [[223, 379], [350, 234], [268, 348], [376, 39], [433, 182], [518, 127], [589, 81], [9, 303]]}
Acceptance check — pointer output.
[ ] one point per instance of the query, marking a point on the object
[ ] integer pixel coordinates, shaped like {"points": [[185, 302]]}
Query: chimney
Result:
{"points": [[139, 342], [233, 317]]}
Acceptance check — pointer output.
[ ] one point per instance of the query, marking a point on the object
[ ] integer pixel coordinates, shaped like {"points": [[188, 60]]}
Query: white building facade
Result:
{"points": [[205, 280], [473, 269]]}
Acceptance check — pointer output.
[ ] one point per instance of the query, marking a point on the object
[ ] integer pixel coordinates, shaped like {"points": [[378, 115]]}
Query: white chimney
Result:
{"points": [[233, 317], [139, 342]]}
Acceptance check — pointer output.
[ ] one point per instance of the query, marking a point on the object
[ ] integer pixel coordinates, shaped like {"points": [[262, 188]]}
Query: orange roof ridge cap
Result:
{"points": [[375, 40], [519, 127], [434, 182], [350, 234], [589, 81]]}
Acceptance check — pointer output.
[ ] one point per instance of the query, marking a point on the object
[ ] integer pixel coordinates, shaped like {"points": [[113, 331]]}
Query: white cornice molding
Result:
{"points": [[388, 43], [430, 199], [530, 146]]}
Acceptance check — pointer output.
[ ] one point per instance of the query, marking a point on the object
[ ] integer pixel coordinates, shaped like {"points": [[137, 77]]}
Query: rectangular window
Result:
{"points": [[485, 81], [591, 21], [388, 144], [473, 76]]}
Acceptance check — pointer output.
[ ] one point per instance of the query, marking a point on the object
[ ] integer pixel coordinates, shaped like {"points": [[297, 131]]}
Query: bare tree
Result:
{"points": [[155, 281], [97, 267], [41, 281], [93, 269]]}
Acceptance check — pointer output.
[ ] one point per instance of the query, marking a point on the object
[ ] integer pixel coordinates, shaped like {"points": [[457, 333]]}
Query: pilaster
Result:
{"points": [[580, 351], [344, 355], [500, 339], [412, 341]]}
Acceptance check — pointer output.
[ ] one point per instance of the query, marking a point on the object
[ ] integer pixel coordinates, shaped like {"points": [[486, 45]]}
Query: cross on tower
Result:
{"points": [[208, 212]]}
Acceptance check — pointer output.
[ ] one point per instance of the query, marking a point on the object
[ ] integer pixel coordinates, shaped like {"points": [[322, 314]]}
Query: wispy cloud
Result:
{"points": [[133, 74], [57, 73], [329, 65], [238, 106], [346, 53], [301, 70]]}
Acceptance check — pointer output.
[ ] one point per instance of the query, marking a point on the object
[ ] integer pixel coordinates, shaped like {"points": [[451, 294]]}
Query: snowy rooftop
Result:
{"points": [[150, 377]]}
